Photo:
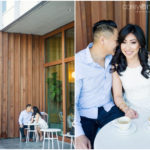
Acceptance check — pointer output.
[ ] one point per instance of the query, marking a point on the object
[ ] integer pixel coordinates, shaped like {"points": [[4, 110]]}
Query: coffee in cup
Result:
{"points": [[123, 123]]}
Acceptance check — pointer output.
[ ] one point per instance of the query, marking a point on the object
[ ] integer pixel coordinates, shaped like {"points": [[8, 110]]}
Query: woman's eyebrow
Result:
{"points": [[131, 40]]}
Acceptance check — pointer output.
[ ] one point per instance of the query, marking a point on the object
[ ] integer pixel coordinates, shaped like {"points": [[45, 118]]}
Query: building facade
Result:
{"points": [[36, 62]]}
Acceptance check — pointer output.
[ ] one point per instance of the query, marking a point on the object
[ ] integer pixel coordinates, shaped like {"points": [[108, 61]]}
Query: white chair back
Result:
{"points": [[45, 116]]}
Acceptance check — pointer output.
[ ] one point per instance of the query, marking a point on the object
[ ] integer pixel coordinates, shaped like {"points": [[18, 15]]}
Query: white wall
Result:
{"points": [[0, 14], [15, 9]]}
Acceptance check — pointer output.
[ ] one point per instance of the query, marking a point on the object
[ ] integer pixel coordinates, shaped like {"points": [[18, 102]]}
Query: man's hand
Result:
{"points": [[21, 126], [82, 142]]}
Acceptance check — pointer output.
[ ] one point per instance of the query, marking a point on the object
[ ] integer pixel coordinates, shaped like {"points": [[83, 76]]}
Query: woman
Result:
{"points": [[131, 73], [38, 119]]}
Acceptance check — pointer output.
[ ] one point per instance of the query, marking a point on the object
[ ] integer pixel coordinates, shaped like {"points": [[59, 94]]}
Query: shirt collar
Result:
{"points": [[88, 54], [89, 57]]}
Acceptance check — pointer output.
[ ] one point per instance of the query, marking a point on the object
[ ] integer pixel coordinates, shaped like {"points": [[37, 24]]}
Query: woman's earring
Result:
{"points": [[140, 50]]}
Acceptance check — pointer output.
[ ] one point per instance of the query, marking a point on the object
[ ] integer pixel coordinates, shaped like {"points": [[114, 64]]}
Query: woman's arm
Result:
{"points": [[37, 117], [117, 92], [118, 98], [32, 119]]}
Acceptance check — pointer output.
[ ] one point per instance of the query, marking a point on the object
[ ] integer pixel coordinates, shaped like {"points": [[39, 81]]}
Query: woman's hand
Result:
{"points": [[131, 113]]}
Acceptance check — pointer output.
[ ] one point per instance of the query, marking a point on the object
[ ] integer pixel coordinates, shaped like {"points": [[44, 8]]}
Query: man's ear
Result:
{"points": [[101, 40]]}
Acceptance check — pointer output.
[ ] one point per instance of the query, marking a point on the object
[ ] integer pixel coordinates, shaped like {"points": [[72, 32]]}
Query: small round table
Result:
{"points": [[108, 137], [50, 136]]}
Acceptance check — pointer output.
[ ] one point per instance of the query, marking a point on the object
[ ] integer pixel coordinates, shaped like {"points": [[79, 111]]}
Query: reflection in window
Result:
{"points": [[69, 42], [53, 48], [54, 96], [69, 95]]}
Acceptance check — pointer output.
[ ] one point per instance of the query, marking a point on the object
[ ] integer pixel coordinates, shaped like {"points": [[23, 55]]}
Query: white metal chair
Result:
{"points": [[35, 133], [71, 138], [45, 116], [50, 136], [21, 135]]}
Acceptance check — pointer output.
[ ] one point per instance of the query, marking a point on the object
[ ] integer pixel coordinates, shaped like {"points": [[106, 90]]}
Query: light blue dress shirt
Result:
{"points": [[92, 87], [25, 117]]}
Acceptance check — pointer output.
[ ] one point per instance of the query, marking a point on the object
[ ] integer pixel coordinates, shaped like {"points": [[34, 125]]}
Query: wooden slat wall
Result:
{"points": [[21, 78], [89, 12]]}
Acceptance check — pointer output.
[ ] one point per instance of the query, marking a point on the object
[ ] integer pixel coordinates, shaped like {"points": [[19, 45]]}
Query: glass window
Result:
{"points": [[54, 96], [70, 75], [53, 79], [69, 42], [53, 48]]}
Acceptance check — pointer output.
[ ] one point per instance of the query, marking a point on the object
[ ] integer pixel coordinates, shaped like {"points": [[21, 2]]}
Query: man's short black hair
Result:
{"points": [[28, 105], [104, 22], [103, 26]]}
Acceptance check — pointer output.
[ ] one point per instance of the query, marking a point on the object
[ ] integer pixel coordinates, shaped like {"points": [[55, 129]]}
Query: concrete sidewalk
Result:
{"points": [[14, 143]]}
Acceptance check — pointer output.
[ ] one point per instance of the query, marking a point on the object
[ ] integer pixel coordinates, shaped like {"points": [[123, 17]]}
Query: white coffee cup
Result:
{"points": [[123, 123]]}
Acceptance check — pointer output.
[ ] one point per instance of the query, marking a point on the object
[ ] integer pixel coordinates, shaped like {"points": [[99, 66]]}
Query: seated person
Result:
{"points": [[25, 118], [37, 117]]}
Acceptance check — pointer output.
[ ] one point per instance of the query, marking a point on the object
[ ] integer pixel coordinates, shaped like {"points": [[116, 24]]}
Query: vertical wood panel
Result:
{"points": [[79, 27], [41, 67], [88, 23], [38, 71], [118, 13], [110, 10], [1, 73], [11, 92], [43, 76], [29, 72], [5, 86], [35, 72], [63, 85], [142, 22], [17, 82], [94, 12], [23, 72], [83, 17]]}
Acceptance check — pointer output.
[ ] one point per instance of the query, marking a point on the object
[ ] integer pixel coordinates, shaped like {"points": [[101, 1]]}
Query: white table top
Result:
{"points": [[31, 124], [108, 137], [51, 130]]}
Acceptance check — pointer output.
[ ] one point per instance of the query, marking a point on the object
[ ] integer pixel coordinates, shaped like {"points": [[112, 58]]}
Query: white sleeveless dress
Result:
{"points": [[42, 123], [137, 91]]}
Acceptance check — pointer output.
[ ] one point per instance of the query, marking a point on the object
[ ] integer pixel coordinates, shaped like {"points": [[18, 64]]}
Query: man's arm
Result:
{"points": [[79, 131], [20, 119], [81, 141]]}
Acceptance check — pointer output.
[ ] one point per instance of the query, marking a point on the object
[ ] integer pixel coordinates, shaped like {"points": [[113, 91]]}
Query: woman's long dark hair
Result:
{"points": [[35, 111], [119, 62]]}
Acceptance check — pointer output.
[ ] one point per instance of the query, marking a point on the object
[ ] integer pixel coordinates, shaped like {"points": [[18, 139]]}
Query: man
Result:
{"points": [[94, 106], [24, 118]]}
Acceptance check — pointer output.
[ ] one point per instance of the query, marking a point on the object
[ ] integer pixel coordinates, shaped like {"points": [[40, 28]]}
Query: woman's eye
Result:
{"points": [[133, 42]]}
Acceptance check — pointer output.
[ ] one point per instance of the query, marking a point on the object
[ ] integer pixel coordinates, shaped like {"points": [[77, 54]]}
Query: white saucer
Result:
{"points": [[146, 126], [131, 130]]}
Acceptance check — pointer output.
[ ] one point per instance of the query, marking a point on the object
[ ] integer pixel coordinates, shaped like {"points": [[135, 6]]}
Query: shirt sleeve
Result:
{"points": [[78, 127], [20, 119]]}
